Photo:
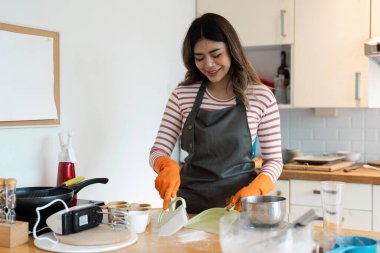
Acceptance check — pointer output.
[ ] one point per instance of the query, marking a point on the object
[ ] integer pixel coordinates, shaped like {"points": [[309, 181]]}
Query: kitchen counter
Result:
{"points": [[360, 175], [185, 241]]}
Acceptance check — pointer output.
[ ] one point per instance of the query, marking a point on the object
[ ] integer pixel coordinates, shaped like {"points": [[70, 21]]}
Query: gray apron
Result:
{"points": [[219, 163]]}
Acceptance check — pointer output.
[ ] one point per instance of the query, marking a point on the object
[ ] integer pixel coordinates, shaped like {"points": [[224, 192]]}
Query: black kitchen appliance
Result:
{"points": [[26, 203], [45, 213]]}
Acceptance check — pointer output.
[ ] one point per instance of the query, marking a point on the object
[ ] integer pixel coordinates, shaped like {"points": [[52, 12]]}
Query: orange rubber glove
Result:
{"points": [[261, 185], [168, 180]]}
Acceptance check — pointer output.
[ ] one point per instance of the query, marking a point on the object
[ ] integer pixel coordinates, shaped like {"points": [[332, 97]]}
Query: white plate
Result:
{"points": [[318, 159], [60, 247]]}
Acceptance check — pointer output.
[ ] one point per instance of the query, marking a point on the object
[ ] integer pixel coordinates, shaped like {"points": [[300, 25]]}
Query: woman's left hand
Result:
{"points": [[242, 193], [261, 185]]}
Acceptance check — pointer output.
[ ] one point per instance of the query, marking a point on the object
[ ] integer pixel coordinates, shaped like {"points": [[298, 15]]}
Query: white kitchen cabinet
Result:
{"points": [[330, 68], [282, 189], [357, 203], [375, 18], [257, 22], [376, 208], [355, 196], [352, 219]]}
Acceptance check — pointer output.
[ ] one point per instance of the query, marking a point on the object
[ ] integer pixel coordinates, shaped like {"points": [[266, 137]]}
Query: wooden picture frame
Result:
{"points": [[55, 37]]}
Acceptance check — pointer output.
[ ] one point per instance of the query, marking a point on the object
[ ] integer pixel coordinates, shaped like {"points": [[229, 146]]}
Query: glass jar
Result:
{"points": [[2, 200], [11, 200]]}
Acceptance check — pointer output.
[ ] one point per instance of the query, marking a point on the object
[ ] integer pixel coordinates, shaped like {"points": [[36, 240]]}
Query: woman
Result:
{"points": [[217, 111]]}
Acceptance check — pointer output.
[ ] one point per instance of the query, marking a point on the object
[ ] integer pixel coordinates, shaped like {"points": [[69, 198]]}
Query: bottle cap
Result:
{"points": [[11, 182]]}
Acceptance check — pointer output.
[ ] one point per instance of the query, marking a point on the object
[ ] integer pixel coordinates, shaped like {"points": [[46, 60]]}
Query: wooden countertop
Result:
{"points": [[184, 241], [361, 176]]}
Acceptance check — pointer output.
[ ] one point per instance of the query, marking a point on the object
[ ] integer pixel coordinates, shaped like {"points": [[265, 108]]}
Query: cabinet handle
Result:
{"points": [[320, 218], [357, 85], [326, 191], [283, 34]]}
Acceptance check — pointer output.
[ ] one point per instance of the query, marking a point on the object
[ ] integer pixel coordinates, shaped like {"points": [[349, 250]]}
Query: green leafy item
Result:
{"points": [[208, 220]]}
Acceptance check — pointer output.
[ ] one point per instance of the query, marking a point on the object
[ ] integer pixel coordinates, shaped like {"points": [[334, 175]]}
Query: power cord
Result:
{"points": [[39, 218]]}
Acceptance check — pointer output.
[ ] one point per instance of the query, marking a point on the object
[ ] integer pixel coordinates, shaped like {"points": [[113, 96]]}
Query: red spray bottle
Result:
{"points": [[66, 166]]}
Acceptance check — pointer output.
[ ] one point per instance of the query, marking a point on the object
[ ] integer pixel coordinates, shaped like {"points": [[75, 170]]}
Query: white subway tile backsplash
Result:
{"points": [[301, 133], [325, 134], [354, 114], [294, 145], [338, 122], [312, 122], [370, 158], [372, 148], [356, 130], [313, 147], [357, 146], [371, 135], [372, 122], [351, 134], [371, 112], [357, 117], [333, 146]]}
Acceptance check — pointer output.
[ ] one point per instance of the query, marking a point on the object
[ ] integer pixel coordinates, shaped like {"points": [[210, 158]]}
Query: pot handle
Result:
{"points": [[341, 249], [79, 186]]}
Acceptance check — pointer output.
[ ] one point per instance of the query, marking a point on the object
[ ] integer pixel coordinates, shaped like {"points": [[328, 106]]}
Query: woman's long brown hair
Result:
{"points": [[214, 27]]}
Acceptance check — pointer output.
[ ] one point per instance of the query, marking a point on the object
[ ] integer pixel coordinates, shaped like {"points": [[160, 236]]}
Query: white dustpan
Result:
{"points": [[171, 220]]}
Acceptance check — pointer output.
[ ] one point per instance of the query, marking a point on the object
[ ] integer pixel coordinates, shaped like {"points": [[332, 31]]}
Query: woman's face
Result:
{"points": [[213, 60]]}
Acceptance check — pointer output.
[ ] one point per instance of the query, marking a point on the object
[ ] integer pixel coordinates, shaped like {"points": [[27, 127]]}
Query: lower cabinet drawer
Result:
{"points": [[297, 211], [352, 219], [357, 219], [282, 189], [376, 208], [307, 193]]}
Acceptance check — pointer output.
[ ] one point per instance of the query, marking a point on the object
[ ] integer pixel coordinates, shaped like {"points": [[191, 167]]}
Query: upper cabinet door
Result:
{"points": [[375, 15], [258, 22], [330, 65]]}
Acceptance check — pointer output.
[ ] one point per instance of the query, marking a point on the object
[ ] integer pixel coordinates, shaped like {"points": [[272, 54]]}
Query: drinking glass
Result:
{"points": [[332, 193]]}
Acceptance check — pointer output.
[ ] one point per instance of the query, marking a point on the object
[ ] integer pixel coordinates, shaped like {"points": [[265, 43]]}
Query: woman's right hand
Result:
{"points": [[168, 180]]}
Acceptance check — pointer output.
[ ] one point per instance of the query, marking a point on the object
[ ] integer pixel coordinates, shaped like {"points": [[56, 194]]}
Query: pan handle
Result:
{"points": [[79, 186]]}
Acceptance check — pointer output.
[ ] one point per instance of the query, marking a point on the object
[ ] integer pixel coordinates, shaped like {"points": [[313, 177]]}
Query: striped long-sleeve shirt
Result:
{"points": [[263, 121]]}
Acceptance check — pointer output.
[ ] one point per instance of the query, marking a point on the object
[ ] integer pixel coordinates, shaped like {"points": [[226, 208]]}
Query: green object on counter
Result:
{"points": [[208, 220]]}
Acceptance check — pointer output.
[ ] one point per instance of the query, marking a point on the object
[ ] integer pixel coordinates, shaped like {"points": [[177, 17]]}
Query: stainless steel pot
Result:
{"points": [[264, 210]]}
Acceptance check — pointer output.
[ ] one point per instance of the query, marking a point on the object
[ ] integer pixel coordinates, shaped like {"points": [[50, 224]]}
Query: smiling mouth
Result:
{"points": [[213, 73]]}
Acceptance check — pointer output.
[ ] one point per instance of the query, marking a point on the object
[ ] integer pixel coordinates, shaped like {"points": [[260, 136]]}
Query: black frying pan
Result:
{"points": [[27, 205]]}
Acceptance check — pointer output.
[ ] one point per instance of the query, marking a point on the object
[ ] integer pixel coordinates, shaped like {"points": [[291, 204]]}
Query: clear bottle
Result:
{"points": [[279, 89], [11, 200], [2, 200], [283, 69]]}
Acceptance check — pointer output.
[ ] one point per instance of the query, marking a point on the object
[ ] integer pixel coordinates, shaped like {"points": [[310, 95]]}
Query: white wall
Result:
{"points": [[119, 60]]}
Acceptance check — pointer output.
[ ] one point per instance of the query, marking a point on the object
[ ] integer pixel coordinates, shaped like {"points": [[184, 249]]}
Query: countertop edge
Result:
{"points": [[361, 176]]}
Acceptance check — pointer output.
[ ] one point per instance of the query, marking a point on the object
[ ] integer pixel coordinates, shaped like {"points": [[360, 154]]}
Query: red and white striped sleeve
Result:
{"points": [[169, 131], [269, 133]]}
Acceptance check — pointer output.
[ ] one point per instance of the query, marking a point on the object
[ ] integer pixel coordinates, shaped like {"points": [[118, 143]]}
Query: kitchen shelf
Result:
{"points": [[266, 60]]}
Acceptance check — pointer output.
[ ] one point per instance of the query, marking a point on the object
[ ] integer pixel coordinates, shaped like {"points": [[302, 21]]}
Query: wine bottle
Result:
{"points": [[283, 69]]}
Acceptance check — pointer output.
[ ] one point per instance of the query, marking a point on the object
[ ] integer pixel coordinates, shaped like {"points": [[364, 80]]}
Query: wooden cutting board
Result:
{"points": [[374, 163], [323, 167], [100, 235]]}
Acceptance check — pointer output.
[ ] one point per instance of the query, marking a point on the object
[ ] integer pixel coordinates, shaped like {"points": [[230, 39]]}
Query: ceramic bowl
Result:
{"points": [[137, 221], [349, 156]]}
